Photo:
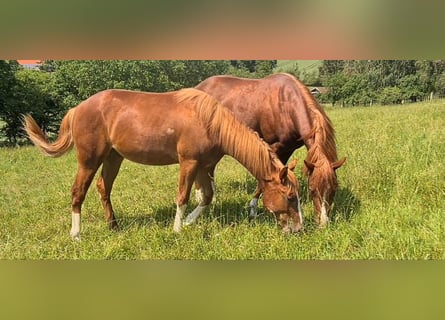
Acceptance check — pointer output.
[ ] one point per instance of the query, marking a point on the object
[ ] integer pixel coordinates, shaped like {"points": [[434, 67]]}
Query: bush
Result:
{"points": [[29, 94], [390, 95]]}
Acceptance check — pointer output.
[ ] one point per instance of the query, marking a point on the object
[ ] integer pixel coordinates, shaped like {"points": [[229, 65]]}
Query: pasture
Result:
{"points": [[390, 203]]}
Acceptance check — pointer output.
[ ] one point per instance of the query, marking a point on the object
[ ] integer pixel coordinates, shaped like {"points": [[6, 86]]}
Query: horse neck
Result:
{"points": [[245, 145], [321, 138], [237, 140]]}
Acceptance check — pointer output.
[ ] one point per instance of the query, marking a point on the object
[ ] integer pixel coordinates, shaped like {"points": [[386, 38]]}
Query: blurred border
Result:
{"points": [[166, 29], [221, 290]]}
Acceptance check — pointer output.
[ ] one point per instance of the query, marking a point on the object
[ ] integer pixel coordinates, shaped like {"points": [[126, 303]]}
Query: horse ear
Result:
{"points": [[292, 164], [283, 173], [339, 163], [310, 166]]}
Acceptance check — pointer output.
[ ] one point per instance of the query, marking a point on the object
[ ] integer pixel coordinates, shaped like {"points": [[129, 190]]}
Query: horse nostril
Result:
{"points": [[286, 230], [296, 228]]}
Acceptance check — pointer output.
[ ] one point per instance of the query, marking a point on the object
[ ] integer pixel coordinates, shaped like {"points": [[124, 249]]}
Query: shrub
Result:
{"points": [[390, 95]]}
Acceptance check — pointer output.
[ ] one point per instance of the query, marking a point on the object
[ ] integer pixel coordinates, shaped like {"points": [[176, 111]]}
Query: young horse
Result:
{"points": [[186, 127], [286, 115]]}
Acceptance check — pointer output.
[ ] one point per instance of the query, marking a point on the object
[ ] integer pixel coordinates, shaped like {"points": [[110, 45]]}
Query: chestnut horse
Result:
{"points": [[286, 115], [186, 127]]}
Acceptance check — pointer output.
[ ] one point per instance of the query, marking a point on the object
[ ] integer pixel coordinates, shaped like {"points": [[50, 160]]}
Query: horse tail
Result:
{"points": [[64, 141]]}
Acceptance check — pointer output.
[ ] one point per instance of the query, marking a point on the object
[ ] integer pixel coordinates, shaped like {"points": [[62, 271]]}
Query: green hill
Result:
{"points": [[303, 65]]}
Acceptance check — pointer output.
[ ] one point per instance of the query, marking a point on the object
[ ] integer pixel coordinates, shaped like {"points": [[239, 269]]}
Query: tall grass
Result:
{"points": [[390, 204]]}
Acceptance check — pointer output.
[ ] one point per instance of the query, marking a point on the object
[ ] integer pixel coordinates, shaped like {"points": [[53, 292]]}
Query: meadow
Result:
{"points": [[390, 203], [303, 65]]}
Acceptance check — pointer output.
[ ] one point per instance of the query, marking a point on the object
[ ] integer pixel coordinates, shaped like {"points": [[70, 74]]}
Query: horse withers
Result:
{"points": [[187, 127], [285, 114]]}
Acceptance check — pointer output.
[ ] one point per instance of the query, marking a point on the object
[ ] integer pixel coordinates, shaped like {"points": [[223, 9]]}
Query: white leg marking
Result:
{"points": [[191, 218], [323, 216], [253, 207], [300, 214], [212, 182], [178, 218], [199, 195], [75, 226]]}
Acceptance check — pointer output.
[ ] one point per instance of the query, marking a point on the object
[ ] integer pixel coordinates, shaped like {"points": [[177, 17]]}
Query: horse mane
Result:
{"points": [[231, 135], [323, 149]]}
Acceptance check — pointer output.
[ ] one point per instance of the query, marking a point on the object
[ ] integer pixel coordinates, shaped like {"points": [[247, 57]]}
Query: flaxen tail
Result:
{"points": [[64, 141]]}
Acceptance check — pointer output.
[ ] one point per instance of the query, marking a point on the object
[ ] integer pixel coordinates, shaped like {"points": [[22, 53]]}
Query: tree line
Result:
{"points": [[59, 85], [366, 82]]}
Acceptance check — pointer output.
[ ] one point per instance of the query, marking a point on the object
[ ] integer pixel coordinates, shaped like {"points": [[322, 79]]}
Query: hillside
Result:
{"points": [[303, 65]]}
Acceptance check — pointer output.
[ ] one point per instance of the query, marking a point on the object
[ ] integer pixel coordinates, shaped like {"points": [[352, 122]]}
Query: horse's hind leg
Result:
{"points": [[110, 168], [204, 179], [85, 175]]}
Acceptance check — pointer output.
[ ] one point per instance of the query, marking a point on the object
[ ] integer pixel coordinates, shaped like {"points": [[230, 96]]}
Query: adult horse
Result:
{"points": [[286, 115], [186, 127]]}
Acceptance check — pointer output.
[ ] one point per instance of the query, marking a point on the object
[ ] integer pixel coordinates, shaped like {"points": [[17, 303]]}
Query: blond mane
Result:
{"points": [[234, 138], [323, 150]]}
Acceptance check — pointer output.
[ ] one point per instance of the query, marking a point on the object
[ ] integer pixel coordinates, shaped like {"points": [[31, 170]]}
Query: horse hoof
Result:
{"points": [[75, 237], [188, 221], [177, 228]]}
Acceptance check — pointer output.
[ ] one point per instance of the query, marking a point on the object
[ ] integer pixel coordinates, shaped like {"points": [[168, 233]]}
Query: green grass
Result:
{"points": [[303, 65], [390, 205]]}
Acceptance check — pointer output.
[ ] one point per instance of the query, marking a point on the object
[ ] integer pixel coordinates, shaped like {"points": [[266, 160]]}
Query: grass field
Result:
{"points": [[303, 65], [390, 205]]}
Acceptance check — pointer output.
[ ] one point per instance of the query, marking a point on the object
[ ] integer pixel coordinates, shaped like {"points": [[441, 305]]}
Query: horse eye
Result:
{"points": [[292, 197]]}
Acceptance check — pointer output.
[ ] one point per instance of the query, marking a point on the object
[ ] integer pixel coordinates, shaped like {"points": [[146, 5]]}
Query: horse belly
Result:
{"points": [[151, 150]]}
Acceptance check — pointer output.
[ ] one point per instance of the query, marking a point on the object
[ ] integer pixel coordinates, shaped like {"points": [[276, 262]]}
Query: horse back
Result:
{"points": [[148, 128], [273, 106]]}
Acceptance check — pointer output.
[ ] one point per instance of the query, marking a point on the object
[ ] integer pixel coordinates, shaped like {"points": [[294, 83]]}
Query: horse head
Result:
{"points": [[281, 197], [322, 187]]}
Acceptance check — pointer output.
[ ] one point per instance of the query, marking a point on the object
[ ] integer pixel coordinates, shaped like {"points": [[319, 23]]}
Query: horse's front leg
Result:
{"points": [[187, 174], [254, 203], [204, 180]]}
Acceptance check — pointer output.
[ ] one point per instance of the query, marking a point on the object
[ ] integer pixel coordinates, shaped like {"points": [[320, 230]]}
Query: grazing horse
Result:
{"points": [[286, 115], [187, 127]]}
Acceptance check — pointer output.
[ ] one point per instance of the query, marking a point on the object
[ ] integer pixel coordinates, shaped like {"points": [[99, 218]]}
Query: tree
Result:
{"points": [[8, 104], [188, 73], [251, 68], [410, 87], [390, 95], [28, 92], [311, 78], [7, 82], [440, 84], [75, 81], [264, 67], [335, 85], [248, 65], [363, 81], [293, 69], [355, 91], [331, 67]]}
